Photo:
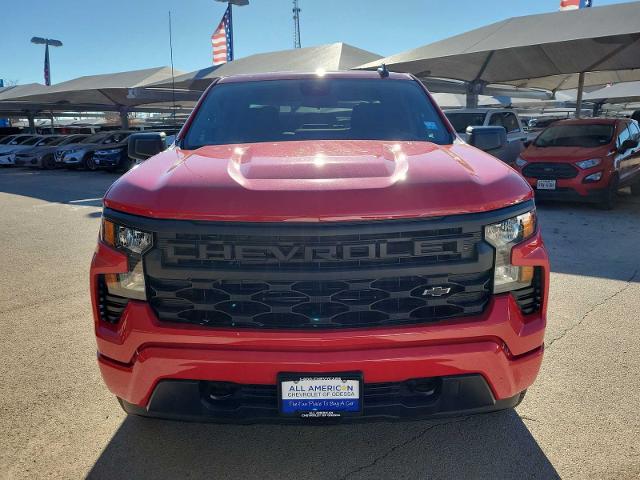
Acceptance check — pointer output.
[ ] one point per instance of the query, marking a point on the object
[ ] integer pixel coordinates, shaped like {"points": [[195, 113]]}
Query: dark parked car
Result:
{"points": [[82, 155], [117, 158]]}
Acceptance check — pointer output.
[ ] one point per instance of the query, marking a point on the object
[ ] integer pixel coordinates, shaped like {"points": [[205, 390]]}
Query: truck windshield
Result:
{"points": [[316, 109], [584, 135], [461, 121]]}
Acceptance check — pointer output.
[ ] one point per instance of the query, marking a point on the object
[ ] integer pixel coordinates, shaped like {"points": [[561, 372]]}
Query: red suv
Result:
{"points": [[318, 247], [585, 160]]}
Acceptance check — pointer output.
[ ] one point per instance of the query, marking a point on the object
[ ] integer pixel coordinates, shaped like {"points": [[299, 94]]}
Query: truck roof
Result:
{"points": [[479, 110], [356, 74]]}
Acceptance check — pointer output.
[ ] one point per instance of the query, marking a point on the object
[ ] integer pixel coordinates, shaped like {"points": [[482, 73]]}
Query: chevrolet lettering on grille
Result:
{"points": [[297, 253]]}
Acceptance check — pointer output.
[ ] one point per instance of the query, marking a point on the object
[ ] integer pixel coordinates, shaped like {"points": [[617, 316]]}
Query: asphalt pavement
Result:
{"points": [[57, 420]]}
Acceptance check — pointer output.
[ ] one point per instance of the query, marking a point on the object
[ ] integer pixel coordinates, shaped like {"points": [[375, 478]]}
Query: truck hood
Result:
{"points": [[317, 181]]}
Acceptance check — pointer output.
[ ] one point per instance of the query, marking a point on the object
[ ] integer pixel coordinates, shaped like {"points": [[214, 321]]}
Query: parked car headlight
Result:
{"points": [[520, 162], [592, 162], [594, 177], [134, 242], [503, 236]]}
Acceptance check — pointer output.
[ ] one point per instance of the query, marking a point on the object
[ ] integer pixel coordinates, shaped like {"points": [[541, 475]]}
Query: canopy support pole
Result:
{"points": [[124, 118], [474, 89], [580, 91], [32, 121]]}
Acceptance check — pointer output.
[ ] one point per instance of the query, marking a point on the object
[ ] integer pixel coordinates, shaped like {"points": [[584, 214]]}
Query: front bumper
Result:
{"points": [[7, 159], [573, 189], [73, 159], [140, 355], [106, 161], [568, 194], [192, 401], [27, 161]]}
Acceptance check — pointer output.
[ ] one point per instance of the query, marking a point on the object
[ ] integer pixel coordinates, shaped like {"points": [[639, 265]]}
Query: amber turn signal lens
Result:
{"points": [[108, 233], [526, 275], [528, 224]]}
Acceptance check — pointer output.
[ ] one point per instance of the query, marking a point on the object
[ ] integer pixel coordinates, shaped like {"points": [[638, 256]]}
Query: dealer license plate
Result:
{"points": [[320, 396], [546, 185]]}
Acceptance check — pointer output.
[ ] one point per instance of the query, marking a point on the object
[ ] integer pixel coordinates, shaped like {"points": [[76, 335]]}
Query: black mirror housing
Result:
{"points": [[142, 146], [487, 138], [628, 145]]}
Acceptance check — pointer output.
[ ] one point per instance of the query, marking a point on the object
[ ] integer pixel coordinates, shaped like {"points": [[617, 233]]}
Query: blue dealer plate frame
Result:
{"points": [[313, 409]]}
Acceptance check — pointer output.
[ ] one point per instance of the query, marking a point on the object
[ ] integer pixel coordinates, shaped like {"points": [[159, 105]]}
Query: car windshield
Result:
{"points": [[72, 139], [461, 121], [20, 140], [316, 109], [32, 141], [95, 138], [116, 138], [583, 135], [50, 141], [6, 140]]}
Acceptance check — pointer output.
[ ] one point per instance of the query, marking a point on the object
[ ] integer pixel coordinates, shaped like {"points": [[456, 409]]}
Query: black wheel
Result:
{"points": [[89, 163], [610, 198], [635, 189], [48, 163]]}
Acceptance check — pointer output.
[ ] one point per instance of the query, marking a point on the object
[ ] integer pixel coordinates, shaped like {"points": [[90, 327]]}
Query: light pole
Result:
{"points": [[46, 42]]}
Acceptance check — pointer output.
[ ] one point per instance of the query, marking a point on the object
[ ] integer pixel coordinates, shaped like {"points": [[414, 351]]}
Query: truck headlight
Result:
{"points": [[592, 162], [503, 236], [134, 242]]}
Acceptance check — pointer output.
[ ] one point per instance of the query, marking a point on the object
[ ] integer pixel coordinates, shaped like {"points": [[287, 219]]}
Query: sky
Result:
{"points": [[119, 35]]}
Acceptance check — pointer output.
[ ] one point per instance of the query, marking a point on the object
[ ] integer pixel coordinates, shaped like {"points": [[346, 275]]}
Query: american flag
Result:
{"points": [[574, 4], [222, 40]]}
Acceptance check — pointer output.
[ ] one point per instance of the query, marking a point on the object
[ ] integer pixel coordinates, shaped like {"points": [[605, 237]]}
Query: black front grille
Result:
{"points": [[295, 251], [110, 307], [320, 304], [318, 275], [240, 403], [230, 397], [550, 171]]}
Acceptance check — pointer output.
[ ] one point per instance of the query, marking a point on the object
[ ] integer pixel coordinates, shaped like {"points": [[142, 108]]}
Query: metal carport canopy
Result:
{"points": [[111, 89], [626, 92], [547, 51], [330, 57]]}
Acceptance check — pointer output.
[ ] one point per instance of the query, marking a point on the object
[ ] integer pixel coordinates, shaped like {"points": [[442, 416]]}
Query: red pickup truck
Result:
{"points": [[319, 247]]}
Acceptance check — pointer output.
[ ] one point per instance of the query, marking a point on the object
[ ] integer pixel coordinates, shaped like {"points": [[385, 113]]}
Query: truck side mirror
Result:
{"points": [[142, 146], [487, 138]]}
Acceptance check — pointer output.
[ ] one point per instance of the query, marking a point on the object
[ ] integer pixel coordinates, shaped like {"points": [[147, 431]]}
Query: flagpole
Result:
{"points": [[173, 78], [230, 54]]}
